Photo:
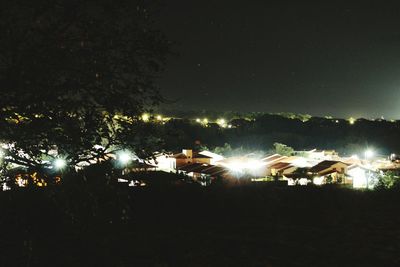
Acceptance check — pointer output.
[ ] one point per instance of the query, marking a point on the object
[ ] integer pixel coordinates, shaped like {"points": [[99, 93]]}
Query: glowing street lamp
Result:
{"points": [[198, 120], [368, 154], [60, 164], [124, 157]]}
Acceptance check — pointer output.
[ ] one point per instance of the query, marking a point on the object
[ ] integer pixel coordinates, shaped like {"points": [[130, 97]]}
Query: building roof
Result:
{"points": [[270, 160], [179, 156], [211, 155], [281, 166], [323, 165], [272, 157], [203, 168], [192, 167], [199, 155], [328, 172]]}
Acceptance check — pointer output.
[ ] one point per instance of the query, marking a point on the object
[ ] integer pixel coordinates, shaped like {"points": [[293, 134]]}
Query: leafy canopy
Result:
{"points": [[75, 74]]}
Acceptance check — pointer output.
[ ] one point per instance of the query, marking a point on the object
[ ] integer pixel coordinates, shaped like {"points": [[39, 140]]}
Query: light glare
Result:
{"points": [[60, 164]]}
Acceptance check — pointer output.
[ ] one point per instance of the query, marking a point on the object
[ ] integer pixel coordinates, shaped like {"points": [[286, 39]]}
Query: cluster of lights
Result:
{"points": [[221, 122], [202, 121], [146, 117], [352, 121]]}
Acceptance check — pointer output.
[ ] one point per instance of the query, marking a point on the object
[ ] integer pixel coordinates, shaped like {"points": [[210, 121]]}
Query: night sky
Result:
{"points": [[320, 58]]}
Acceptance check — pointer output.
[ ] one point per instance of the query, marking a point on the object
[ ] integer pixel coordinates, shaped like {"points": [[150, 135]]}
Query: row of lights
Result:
{"points": [[146, 117], [221, 122], [124, 158]]}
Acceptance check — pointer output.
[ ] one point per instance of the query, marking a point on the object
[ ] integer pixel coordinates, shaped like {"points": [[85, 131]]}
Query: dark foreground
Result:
{"points": [[79, 225]]}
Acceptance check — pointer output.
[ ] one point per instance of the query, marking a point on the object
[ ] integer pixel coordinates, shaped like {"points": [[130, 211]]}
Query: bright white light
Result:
{"points": [[198, 120], [244, 166], [369, 154], [159, 118], [205, 121], [359, 178], [124, 157], [352, 121], [319, 180], [60, 163]]}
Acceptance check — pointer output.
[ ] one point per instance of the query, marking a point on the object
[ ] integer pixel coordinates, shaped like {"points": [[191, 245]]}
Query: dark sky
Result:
{"points": [[321, 58]]}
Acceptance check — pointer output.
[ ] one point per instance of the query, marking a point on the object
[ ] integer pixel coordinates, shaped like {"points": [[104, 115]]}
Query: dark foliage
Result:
{"points": [[74, 74], [263, 131], [90, 221]]}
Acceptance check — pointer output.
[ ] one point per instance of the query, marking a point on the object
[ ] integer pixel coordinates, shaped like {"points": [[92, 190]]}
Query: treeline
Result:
{"points": [[262, 131]]}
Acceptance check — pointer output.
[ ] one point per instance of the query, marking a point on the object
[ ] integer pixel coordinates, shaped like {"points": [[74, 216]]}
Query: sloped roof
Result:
{"points": [[203, 168], [179, 156], [328, 172], [273, 159], [198, 155], [281, 166], [324, 165]]}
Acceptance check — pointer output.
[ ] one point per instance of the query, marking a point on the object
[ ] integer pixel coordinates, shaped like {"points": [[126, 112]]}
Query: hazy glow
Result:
{"points": [[242, 166], [205, 121], [159, 118], [352, 120], [198, 120]]}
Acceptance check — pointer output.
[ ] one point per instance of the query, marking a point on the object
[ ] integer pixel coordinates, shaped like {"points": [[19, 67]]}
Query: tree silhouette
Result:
{"points": [[75, 76]]}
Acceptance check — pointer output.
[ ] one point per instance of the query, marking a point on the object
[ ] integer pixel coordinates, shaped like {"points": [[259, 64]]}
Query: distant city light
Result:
{"points": [[222, 123], [60, 163], [198, 120], [146, 117], [352, 120], [205, 121], [159, 118]]}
